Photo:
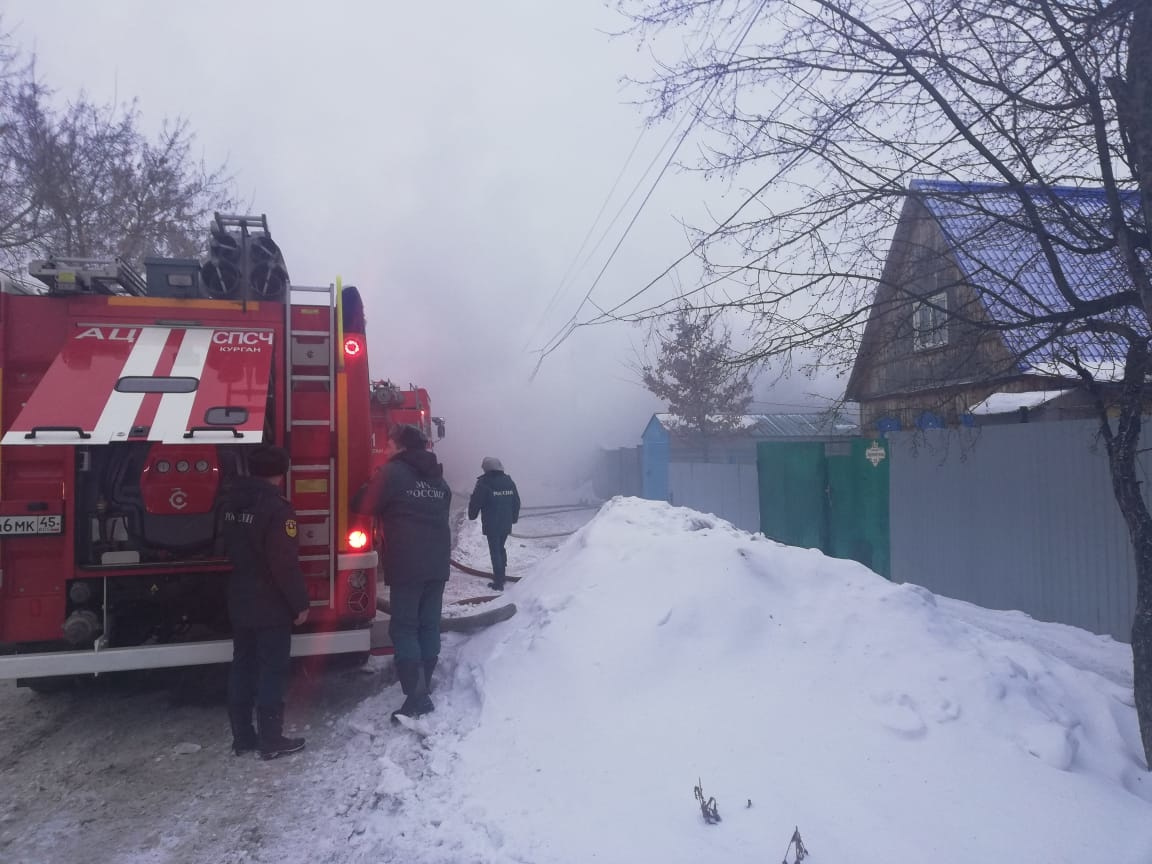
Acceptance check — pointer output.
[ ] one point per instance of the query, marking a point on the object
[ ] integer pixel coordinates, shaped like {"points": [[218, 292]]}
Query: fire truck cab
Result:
{"points": [[127, 404]]}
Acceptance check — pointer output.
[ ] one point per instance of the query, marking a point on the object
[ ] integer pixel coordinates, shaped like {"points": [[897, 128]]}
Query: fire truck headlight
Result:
{"points": [[182, 466], [163, 466], [202, 465], [357, 579], [357, 539]]}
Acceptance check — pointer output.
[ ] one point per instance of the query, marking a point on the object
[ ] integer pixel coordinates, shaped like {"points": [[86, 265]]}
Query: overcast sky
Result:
{"points": [[448, 159]]}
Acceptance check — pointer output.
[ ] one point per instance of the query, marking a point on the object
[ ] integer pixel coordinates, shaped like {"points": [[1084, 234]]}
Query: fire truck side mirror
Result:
{"points": [[439, 421]]}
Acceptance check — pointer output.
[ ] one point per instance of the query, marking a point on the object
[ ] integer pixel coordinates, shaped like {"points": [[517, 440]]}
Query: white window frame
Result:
{"points": [[930, 322]]}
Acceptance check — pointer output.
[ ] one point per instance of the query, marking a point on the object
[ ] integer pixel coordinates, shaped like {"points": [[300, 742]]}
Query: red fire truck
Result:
{"points": [[392, 406], [126, 404]]}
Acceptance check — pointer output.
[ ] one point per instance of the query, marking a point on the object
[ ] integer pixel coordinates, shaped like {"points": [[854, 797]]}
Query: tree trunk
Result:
{"points": [[1142, 653], [1136, 116], [1126, 488], [1123, 445]]}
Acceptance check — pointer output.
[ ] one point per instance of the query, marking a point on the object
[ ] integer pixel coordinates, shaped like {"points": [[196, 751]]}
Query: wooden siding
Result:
{"points": [[891, 376]]}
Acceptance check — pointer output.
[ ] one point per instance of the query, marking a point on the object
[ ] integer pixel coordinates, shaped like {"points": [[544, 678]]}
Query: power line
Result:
{"points": [[583, 243], [569, 326], [606, 315]]}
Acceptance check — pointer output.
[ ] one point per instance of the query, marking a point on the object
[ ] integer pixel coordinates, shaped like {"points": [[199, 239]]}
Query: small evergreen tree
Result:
{"points": [[694, 373]]}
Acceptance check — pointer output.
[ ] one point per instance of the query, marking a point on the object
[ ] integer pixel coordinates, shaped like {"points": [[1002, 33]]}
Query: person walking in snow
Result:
{"points": [[411, 499], [497, 503], [266, 597]]}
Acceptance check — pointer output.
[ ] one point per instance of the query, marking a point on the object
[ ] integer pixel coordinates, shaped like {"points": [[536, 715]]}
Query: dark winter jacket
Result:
{"points": [[258, 524], [497, 502], [411, 499]]}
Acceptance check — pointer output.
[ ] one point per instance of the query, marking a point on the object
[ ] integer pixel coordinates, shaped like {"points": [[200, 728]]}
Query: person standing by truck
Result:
{"points": [[411, 500], [266, 598], [497, 502]]}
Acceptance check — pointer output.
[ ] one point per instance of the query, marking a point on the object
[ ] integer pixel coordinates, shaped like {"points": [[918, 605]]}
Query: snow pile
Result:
{"points": [[660, 647]]}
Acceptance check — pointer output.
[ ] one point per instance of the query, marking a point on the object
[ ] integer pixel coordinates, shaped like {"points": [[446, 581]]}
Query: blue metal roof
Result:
{"points": [[989, 234]]}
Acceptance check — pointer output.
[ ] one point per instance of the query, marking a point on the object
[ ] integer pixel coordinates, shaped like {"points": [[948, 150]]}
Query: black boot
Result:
{"points": [[243, 734], [496, 584], [429, 668], [270, 722], [411, 675]]}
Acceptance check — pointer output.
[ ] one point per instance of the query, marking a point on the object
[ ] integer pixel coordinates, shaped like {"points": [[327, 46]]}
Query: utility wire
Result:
{"points": [[569, 326], [591, 228]]}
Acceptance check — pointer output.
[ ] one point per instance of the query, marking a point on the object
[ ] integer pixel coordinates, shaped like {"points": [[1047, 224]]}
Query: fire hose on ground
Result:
{"points": [[472, 571], [484, 574], [464, 623], [472, 623]]}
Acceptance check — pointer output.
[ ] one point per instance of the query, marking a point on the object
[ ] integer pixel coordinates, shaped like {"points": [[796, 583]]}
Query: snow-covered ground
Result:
{"points": [[656, 648]]}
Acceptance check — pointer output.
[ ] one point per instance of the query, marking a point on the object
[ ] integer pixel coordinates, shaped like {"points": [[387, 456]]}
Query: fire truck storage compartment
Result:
{"points": [[173, 277], [142, 503], [153, 608]]}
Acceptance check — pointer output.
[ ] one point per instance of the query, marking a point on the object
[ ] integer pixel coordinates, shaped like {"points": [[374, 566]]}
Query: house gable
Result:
{"points": [[971, 247], [924, 332]]}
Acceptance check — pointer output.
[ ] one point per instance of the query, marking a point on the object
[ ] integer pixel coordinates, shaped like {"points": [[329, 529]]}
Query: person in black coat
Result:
{"points": [[411, 499], [266, 597], [497, 503]]}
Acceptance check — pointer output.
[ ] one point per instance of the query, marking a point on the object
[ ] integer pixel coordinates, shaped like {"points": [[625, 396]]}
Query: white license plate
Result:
{"points": [[15, 525]]}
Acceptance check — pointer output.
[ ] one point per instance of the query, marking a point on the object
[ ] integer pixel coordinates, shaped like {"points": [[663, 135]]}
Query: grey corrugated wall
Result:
{"points": [[729, 491], [618, 472], [1015, 517]]}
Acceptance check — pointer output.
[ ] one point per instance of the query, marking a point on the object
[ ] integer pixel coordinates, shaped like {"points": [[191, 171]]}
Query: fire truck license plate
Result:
{"points": [[10, 525]]}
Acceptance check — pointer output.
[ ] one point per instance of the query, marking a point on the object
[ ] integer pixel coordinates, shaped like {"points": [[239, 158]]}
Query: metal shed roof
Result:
{"points": [[778, 425]]}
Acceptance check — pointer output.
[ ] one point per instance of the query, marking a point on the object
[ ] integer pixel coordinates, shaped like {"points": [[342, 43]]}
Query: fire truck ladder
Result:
{"points": [[310, 361]]}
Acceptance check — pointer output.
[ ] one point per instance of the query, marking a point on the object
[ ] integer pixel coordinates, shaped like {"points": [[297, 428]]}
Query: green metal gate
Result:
{"points": [[793, 476], [831, 496]]}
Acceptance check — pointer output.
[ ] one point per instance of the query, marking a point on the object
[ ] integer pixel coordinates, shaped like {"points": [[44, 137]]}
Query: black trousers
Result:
{"points": [[260, 660], [498, 554]]}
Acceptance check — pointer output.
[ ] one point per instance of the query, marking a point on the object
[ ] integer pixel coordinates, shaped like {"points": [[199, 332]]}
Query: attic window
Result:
{"points": [[930, 322]]}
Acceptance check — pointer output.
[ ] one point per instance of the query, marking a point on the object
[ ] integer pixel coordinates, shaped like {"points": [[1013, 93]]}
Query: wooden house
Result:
{"points": [[953, 337]]}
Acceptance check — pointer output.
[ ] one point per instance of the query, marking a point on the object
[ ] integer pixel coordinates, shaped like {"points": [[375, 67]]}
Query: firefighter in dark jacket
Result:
{"points": [[266, 597], [410, 498], [497, 503]]}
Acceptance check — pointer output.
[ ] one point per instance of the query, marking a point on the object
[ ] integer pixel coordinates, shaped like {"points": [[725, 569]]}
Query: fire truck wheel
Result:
{"points": [[351, 660], [321, 664], [49, 686]]}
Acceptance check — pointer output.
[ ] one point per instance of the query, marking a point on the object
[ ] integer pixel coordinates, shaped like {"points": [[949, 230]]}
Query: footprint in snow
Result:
{"points": [[1051, 743], [899, 714]]}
